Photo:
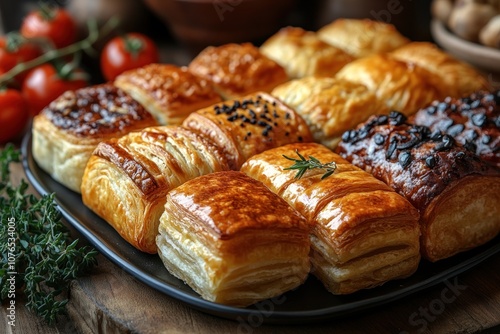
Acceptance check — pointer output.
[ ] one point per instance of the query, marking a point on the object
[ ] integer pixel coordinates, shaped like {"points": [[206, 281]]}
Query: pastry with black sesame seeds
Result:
{"points": [[473, 121]]}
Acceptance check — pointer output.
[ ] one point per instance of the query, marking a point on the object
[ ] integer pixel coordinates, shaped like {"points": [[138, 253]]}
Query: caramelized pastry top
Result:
{"points": [[416, 162], [171, 86], [228, 203], [473, 121], [237, 68], [95, 111]]}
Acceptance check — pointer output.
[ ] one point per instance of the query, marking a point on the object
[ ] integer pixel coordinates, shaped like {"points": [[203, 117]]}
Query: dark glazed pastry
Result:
{"points": [[473, 121], [456, 193], [67, 131]]}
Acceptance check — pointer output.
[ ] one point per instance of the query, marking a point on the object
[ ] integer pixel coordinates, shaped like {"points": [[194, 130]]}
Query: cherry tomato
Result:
{"points": [[13, 114], [14, 51], [127, 52], [55, 24], [44, 84]]}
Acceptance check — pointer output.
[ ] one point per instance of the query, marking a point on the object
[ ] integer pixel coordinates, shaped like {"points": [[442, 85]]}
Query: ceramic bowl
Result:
{"points": [[200, 23]]}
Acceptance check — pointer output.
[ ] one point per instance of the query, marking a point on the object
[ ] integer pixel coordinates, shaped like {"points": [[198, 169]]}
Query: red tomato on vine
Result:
{"points": [[14, 50], [13, 114], [45, 83], [55, 24], [127, 52]]}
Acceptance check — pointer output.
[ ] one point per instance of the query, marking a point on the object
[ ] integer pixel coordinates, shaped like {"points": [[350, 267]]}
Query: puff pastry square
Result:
{"points": [[168, 92], [330, 106], [303, 54], [232, 240], [362, 37], [402, 86], [67, 131], [236, 70], [126, 180], [459, 78], [363, 233]]}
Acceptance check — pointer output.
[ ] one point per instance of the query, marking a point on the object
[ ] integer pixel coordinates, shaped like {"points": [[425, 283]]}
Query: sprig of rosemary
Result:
{"points": [[37, 250], [302, 165]]}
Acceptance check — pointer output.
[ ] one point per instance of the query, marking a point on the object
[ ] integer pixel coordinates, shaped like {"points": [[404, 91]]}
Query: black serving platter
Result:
{"points": [[309, 302]]}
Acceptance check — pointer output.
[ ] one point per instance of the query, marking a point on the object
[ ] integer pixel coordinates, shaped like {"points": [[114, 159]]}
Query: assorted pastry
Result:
{"points": [[253, 167]]}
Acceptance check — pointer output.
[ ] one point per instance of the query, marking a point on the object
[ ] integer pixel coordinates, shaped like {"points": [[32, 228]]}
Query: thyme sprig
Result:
{"points": [[302, 165], [37, 249]]}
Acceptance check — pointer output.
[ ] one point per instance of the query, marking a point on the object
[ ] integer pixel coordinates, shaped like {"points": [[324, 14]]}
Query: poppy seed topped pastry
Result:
{"points": [[473, 121], [168, 92], [232, 240], [236, 70], [253, 124], [456, 193], [303, 54], [363, 233], [67, 131]]}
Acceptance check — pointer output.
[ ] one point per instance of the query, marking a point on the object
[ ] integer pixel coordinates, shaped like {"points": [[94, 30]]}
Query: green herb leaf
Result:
{"points": [[302, 165], [38, 253]]}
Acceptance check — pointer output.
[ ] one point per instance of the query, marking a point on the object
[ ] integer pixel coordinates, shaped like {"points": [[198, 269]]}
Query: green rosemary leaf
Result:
{"points": [[38, 252], [302, 165]]}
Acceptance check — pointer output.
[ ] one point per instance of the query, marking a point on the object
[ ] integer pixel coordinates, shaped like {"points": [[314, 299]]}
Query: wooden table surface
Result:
{"points": [[109, 300]]}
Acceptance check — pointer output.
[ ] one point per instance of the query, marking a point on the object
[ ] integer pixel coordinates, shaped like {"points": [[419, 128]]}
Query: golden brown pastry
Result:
{"points": [[248, 126], [232, 240], [303, 54], [402, 86], [236, 70], [363, 232], [473, 121], [459, 78], [362, 37], [168, 92], [456, 193], [67, 131], [330, 106], [126, 180]]}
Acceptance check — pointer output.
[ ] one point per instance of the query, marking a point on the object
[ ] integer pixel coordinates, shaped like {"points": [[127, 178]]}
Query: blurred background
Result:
{"points": [[183, 27]]}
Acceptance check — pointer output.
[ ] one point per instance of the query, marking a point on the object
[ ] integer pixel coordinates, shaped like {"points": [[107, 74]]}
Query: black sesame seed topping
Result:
{"points": [[349, 136], [475, 104], [431, 110], [436, 135], [455, 129], [391, 149], [485, 139], [430, 161], [404, 158], [381, 120], [379, 139], [446, 123], [396, 118], [460, 155], [442, 106], [479, 120], [446, 143]]}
